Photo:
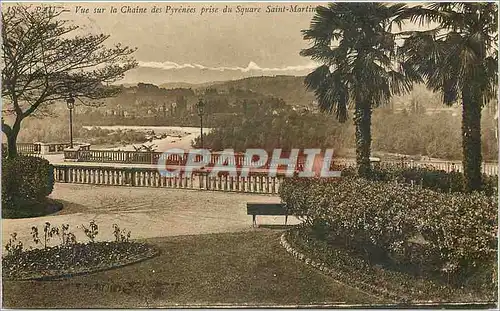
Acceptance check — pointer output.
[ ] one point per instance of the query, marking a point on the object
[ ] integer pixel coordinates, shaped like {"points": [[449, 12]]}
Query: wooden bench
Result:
{"points": [[266, 209]]}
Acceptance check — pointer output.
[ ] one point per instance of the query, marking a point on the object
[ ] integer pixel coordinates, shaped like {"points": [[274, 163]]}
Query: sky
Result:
{"points": [[202, 45], [195, 47]]}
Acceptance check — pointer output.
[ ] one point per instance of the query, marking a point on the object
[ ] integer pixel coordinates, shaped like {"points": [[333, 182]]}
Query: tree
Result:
{"points": [[459, 58], [355, 44], [45, 62]]}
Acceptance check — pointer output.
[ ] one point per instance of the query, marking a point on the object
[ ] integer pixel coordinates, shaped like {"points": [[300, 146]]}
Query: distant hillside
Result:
{"points": [[184, 85], [289, 88], [145, 98]]}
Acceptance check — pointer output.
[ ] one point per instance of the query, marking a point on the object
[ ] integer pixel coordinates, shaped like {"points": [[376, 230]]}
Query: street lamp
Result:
{"points": [[200, 106], [70, 102]]}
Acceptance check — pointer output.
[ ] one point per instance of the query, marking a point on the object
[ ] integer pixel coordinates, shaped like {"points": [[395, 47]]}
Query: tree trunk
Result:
{"points": [[362, 120], [12, 142], [471, 139], [11, 132]]}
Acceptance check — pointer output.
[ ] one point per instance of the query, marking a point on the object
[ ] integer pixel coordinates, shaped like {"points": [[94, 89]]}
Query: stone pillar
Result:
{"points": [[44, 147]]}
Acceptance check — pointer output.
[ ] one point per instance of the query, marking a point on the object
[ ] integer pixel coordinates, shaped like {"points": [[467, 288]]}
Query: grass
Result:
{"points": [[245, 268], [28, 209]]}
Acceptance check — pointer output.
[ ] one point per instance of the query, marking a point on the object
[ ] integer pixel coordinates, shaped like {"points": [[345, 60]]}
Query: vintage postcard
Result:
{"points": [[249, 155]]}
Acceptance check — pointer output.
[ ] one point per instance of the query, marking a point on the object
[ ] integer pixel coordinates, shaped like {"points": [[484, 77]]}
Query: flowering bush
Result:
{"points": [[444, 232]]}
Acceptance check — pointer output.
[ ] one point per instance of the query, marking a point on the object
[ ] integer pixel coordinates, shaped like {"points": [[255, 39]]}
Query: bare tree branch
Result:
{"points": [[43, 63]]}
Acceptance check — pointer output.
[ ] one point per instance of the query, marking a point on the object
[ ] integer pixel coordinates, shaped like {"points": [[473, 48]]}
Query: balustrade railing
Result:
{"points": [[144, 157], [47, 148], [255, 182], [448, 166], [139, 157], [28, 148], [25, 148], [150, 177]]}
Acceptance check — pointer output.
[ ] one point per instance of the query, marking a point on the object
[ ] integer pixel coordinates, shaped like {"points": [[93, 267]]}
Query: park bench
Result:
{"points": [[266, 209]]}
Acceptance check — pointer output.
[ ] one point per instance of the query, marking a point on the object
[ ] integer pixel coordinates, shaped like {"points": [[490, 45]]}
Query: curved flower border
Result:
{"points": [[372, 290], [55, 274], [361, 286]]}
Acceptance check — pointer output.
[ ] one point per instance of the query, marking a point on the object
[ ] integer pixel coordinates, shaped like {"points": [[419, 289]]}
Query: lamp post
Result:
{"points": [[70, 102], [200, 106]]}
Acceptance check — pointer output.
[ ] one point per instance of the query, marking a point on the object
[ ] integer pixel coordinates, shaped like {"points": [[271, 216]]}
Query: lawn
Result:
{"points": [[245, 268]]}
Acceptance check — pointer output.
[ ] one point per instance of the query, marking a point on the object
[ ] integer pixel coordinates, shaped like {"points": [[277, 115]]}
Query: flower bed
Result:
{"points": [[350, 268], [73, 259]]}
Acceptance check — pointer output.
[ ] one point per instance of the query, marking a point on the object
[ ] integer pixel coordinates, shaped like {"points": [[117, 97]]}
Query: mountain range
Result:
{"points": [[169, 72]]}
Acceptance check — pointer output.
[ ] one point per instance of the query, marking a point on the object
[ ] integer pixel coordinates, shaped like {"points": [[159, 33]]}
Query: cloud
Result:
{"points": [[252, 66]]}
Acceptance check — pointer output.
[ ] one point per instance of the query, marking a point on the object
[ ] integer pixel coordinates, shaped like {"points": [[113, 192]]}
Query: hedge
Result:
{"points": [[426, 177], [26, 178], [443, 233]]}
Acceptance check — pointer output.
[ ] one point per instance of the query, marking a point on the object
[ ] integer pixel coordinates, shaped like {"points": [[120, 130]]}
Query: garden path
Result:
{"points": [[146, 212]]}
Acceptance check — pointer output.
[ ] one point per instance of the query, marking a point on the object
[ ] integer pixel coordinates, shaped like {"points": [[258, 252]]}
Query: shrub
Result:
{"points": [[427, 177], [26, 178], [446, 233]]}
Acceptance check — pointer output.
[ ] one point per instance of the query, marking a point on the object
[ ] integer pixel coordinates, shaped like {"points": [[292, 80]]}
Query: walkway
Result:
{"points": [[146, 212]]}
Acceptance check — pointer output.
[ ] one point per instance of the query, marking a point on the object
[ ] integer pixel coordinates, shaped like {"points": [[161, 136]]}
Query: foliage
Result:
{"points": [[25, 178], [48, 233], [350, 267], [67, 238], [34, 234], [358, 68], [55, 129], [120, 234], [77, 258], [43, 64], [442, 233], [99, 136], [270, 129], [434, 135], [92, 231], [459, 58], [70, 256], [426, 177], [14, 247]]}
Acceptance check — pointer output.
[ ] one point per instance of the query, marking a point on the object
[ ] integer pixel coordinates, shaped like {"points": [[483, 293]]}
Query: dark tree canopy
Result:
{"points": [[462, 50]]}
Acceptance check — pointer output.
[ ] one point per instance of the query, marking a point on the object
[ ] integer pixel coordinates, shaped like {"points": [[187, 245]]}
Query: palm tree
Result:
{"points": [[459, 58], [356, 47]]}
